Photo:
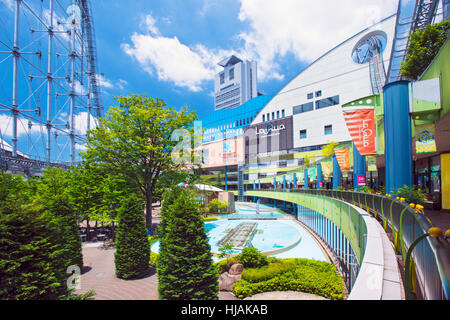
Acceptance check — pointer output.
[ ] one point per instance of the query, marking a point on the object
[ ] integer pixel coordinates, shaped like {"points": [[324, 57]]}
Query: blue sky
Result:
{"points": [[169, 49]]}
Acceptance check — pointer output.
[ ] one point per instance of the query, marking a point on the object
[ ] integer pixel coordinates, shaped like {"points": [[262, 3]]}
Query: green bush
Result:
{"points": [[267, 272], [153, 259], [132, 254], [310, 276], [424, 45], [412, 194], [366, 189], [210, 218], [216, 206], [252, 258], [224, 265]]}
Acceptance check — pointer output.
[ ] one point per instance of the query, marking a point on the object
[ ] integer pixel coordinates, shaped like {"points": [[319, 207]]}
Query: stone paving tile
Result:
{"points": [[98, 274]]}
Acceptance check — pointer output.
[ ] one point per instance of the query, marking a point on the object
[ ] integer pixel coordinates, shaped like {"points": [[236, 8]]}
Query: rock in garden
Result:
{"points": [[236, 269], [226, 281]]}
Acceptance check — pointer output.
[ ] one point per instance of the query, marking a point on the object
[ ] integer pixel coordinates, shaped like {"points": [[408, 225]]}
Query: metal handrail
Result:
{"points": [[431, 258]]}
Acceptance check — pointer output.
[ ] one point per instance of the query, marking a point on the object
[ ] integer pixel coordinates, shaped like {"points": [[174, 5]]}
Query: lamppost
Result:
{"points": [[434, 232]]}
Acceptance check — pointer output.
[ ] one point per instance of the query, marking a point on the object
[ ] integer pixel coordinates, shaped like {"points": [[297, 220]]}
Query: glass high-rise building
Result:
{"points": [[235, 84]]}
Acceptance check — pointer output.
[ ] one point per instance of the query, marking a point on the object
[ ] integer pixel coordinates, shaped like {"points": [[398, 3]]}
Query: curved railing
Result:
{"points": [[431, 257]]}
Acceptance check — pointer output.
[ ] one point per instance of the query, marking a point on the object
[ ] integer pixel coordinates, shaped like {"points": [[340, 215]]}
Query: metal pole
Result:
{"points": [[72, 95], [49, 83], [16, 55]]}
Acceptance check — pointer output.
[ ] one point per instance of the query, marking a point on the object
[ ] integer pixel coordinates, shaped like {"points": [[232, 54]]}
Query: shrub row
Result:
{"points": [[315, 277]]}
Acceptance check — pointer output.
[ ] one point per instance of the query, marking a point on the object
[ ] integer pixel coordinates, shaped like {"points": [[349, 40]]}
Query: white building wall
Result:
{"points": [[335, 73]]}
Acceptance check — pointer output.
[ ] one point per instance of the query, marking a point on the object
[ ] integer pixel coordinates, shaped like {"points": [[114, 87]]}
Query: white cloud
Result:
{"points": [[8, 3], [109, 84], [276, 28], [306, 29], [171, 60], [6, 126], [80, 122]]}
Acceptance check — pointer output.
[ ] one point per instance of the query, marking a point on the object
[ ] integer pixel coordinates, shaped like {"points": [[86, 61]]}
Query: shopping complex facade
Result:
{"points": [[383, 134]]}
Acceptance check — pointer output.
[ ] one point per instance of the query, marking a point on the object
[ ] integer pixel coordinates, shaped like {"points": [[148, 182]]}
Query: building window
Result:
{"points": [[237, 123], [278, 114], [273, 115], [282, 113], [303, 134], [303, 108], [231, 74], [327, 102], [264, 118], [318, 93], [222, 78], [268, 117], [328, 129], [310, 95]]}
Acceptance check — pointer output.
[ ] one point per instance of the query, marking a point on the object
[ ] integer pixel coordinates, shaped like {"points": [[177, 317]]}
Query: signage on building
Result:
{"points": [[425, 139], [361, 126], [268, 137], [359, 116], [361, 180], [326, 168], [371, 163], [271, 130], [343, 158]]}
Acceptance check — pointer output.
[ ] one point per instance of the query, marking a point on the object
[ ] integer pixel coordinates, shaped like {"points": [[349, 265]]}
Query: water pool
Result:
{"points": [[279, 238]]}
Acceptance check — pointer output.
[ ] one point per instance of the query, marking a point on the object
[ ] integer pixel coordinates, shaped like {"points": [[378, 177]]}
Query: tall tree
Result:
{"points": [[185, 266], [132, 254], [134, 140]]}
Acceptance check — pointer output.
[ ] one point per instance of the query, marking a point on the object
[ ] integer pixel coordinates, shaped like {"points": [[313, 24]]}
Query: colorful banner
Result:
{"points": [[343, 158], [361, 126], [326, 168], [425, 138], [312, 174], [371, 163]]}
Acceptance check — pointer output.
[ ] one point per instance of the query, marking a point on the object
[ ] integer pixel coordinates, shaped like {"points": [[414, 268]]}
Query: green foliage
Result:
{"points": [[267, 272], [209, 218], [33, 252], [224, 265], [303, 275], [185, 267], [328, 149], [153, 259], [132, 254], [216, 206], [53, 197], [135, 141], [252, 258], [412, 194], [226, 251], [423, 47], [366, 189]]}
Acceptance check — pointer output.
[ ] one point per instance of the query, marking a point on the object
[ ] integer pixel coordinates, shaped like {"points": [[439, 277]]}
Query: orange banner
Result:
{"points": [[361, 126], [343, 158]]}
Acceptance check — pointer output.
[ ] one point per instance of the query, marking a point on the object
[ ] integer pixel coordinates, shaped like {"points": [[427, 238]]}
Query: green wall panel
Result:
{"points": [[344, 216]]}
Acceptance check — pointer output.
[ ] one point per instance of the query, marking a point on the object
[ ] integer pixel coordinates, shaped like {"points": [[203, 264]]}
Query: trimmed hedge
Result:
{"points": [[185, 265], [132, 254], [273, 269], [310, 276]]}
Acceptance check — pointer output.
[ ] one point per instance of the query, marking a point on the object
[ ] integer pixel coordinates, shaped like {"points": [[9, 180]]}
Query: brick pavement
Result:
{"points": [[99, 275]]}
